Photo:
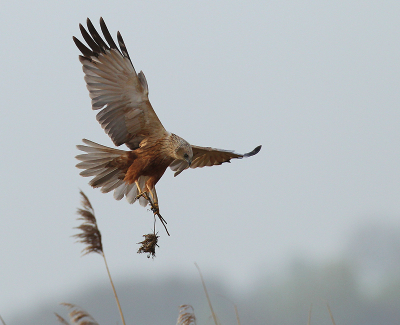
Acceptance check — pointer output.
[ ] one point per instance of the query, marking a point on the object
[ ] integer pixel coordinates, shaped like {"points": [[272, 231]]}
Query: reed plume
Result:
{"points": [[186, 315], [77, 316], [91, 237]]}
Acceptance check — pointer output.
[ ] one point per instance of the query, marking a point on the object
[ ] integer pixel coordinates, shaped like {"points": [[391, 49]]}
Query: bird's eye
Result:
{"points": [[185, 156]]}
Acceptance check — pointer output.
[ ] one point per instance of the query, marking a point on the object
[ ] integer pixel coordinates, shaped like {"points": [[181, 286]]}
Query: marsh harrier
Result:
{"points": [[126, 115]]}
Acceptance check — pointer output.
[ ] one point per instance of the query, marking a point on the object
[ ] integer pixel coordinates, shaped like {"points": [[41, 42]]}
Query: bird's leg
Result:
{"points": [[153, 194], [155, 208], [144, 194], [153, 202]]}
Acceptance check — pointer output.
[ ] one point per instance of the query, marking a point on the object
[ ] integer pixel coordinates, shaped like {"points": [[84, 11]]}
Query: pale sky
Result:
{"points": [[315, 82]]}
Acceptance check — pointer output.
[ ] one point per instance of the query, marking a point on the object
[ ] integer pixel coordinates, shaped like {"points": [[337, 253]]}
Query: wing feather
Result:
{"points": [[115, 89], [112, 185], [88, 39], [95, 35], [122, 45], [107, 34], [206, 156], [85, 51]]}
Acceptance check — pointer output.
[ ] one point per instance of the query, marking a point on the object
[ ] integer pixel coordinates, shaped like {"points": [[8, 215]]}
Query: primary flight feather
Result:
{"points": [[126, 115]]}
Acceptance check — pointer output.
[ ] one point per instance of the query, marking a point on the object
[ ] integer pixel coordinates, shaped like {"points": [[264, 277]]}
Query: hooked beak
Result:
{"points": [[189, 161]]}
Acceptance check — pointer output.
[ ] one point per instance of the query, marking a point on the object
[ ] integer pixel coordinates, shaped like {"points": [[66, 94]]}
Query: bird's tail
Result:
{"points": [[98, 161]]}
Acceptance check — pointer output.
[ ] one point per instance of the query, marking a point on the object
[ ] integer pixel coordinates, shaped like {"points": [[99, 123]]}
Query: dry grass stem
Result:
{"points": [[186, 315], [330, 314], [90, 235], [77, 316], [115, 291], [2, 321], [237, 315], [309, 316], [148, 245], [235, 307], [207, 296]]}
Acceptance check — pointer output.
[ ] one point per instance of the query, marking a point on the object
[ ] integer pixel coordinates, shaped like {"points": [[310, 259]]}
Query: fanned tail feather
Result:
{"points": [[96, 161]]}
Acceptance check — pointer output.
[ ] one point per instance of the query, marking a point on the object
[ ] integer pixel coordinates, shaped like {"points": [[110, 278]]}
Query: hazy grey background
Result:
{"points": [[315, 82]]}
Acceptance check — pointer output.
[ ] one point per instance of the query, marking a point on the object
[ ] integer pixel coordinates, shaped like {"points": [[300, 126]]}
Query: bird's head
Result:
{"points": [[183, 150]]}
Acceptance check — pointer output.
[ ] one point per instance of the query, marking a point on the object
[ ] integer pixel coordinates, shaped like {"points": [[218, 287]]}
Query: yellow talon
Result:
{"points": [[155, 208]]}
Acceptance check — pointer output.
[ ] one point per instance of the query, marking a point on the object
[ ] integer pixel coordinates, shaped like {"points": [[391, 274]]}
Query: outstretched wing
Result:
{"points": [[206, 156], [116, 89]]}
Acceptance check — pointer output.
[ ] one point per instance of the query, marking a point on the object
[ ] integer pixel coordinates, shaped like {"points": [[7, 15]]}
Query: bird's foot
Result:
{"points": [[143, 194], [155, 208]]}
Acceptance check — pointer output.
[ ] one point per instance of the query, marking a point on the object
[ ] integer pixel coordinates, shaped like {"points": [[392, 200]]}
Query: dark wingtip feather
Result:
{"points": [[89, 40], [122, 45], [85, 51], [107, 34], [252, 153], [96, 37]]}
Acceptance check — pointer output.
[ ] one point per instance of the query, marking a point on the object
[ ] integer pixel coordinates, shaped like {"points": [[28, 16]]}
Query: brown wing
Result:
{"points": [[116, 89], [206, 156]]}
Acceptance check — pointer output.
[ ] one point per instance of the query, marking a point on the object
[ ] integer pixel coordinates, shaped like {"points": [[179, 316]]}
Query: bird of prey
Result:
{"points": [[126, 115]]}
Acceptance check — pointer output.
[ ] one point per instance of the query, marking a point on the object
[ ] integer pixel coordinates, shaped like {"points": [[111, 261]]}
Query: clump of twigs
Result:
{"points": [[77, 316], [186, 315], [148, 245]]}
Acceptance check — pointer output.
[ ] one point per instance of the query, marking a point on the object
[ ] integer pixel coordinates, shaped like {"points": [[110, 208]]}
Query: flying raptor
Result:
{"points": [[126, 115]]}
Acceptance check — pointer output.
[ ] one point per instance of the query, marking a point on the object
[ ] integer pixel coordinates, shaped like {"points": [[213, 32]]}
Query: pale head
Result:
{"points": [[181, 149]]}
